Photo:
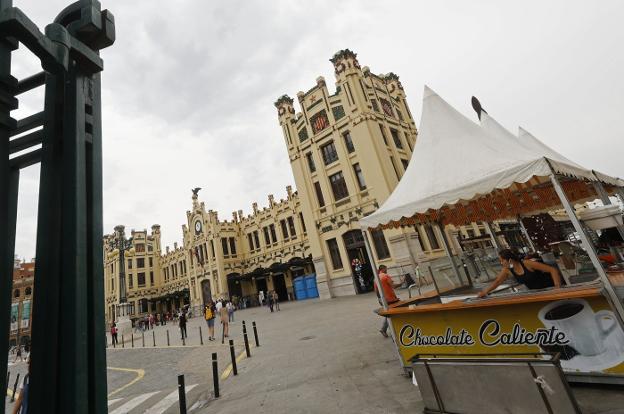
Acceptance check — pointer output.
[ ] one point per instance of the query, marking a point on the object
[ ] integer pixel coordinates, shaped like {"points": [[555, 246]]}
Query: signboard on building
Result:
{"points": [[14, 314], [25, 314]]}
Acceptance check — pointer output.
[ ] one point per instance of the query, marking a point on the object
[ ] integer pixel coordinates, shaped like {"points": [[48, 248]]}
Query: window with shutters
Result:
{"points": [[291, 227], [273, 234], [267, 239], [339, 186], [329, 153], [284, 229], [319, 194], [224, 246], [360, 177], [348, 142], [381, 247], [334, 253], [141, 279], [310, 160], [396, 138], [232, 246]]}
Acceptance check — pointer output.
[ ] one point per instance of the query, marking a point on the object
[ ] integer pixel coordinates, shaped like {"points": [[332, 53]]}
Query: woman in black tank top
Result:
{"points": [[534, 275]]}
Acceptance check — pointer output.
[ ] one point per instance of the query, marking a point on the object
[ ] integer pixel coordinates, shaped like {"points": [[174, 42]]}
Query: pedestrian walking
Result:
{"points": [[223, 313], [276, 300], [210, 316], [163, 319], [18, 354], [182, 324], [261, 298], [270, 300], [113, 332], [388, 291], [230, 308]]}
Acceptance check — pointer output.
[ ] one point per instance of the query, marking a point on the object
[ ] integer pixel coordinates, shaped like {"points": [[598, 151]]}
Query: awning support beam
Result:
{"points": [[449, 254], [526, 234], [611, 296]]}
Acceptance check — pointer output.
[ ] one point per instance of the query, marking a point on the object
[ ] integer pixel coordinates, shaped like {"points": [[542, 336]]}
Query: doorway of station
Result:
{"points": [[358, 260], [279, 285], [261, 285], [234, 285], [206, 291]]}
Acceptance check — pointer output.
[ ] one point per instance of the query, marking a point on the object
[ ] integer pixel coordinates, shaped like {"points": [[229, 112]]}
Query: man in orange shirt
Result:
{"points": [[388, 290]]}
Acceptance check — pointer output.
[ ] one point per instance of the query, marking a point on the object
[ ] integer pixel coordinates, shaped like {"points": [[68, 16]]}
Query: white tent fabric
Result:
{"points": [[455, 159]]}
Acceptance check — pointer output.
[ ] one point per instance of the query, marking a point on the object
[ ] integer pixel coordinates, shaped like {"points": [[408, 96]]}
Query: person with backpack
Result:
{"points": [[182, 324], [209, 315], [113, 332]]}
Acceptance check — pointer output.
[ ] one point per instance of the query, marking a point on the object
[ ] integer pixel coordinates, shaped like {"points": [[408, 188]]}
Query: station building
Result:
{"points": [[348, 150]]}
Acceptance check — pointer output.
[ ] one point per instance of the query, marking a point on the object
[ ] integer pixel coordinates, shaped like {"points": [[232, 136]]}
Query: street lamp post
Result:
{"points": [[119, 242]]}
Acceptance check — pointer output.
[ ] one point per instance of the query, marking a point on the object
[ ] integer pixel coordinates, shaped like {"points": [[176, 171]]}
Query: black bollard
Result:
{"points": [[143, 338], [132, 340], [8, 378], [123, 342], [255, 333], [183, 341], [154, 338], [182, 394], [113, 341], [246, 342], [15, 387], [215, 374], [201, 338], [168, 337], [233, 356]]}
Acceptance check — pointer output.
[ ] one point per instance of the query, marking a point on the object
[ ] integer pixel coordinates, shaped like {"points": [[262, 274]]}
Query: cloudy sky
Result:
{"points": [[189, 86]]}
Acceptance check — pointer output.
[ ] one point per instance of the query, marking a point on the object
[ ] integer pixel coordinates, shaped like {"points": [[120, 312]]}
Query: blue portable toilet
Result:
{"points": [[300, 288], [310, 286]]}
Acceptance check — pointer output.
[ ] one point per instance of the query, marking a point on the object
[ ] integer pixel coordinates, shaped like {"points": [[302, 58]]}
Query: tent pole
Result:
{"points": [[384, 304], [611, 296], [604, 197], [447, 250], [488, 227], [526, 234]]}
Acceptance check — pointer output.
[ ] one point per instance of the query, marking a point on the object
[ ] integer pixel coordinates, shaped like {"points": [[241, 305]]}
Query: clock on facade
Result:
{"points": [[198, 227]]}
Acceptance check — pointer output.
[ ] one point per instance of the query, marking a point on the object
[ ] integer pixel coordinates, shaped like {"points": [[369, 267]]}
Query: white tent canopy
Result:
{"points": [[455, 159]]}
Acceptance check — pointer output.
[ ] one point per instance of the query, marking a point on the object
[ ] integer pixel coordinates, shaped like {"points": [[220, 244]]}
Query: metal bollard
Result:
{"points": [[8, 378], [182, 394], [113, 341], [215, 374], [154, 338], [201, 338], [246, 342], [132, 340], [15, 387], [233, 356], [168, 337], [255, 333], [143, 338], [123, 342]]}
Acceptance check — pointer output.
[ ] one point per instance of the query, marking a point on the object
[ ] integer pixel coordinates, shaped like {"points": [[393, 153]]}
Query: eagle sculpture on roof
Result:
{"points": [[196, 190]]}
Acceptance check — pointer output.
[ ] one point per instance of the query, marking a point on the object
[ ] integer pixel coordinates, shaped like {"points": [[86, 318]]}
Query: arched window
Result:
{"points": [[16, 294], [28, 291]]}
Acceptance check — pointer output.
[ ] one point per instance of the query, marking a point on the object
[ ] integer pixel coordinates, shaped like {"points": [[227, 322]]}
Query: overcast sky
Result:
{"points": [[189, 86]]}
